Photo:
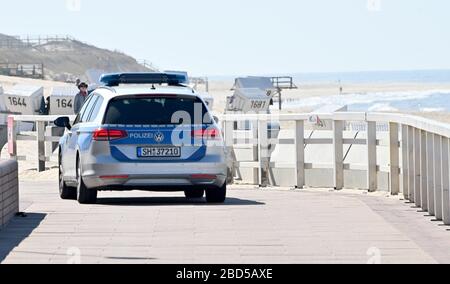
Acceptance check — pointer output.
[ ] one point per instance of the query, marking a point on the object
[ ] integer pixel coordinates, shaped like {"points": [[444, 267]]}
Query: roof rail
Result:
{"points": [[107, 88]]}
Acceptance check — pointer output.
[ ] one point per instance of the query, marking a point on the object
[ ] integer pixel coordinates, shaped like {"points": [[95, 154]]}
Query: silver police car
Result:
{"points": [[142, 131]]}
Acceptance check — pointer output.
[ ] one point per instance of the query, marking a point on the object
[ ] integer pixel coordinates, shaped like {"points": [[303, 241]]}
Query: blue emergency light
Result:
{"points": [[172, 79]]}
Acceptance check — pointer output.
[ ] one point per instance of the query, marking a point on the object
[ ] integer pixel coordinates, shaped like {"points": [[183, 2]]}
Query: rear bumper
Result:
{"points": [[152, 182], [164, 177], [148, 188]]}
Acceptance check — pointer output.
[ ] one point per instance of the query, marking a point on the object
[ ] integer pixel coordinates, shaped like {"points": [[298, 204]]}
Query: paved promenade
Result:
{"points": [[254, 226]]}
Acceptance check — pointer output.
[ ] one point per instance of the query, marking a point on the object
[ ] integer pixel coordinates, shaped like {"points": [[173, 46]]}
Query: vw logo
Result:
{"points": [[159, 137]]}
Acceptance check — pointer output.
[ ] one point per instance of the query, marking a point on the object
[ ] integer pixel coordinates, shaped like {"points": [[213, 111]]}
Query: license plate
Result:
{"points": [[159, 152]]}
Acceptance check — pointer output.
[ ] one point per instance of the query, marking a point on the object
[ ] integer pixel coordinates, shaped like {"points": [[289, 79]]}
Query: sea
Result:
{"points": [[368, 77], [431, 100]]}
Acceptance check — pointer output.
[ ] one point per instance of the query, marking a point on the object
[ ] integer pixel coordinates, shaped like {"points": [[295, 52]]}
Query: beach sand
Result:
{"points": [[220, 90]]}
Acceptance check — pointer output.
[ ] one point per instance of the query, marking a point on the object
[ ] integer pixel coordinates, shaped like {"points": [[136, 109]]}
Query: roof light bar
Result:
{"points": [[173, 79]]}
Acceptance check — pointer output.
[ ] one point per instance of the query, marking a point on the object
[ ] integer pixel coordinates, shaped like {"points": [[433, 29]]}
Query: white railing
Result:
{"points": [[41, 122], [422, 175]]}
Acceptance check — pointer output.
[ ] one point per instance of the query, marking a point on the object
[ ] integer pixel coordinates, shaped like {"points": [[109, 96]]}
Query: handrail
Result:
{"points": [[425, 124], [422, 174], [37, 118], [41, 121]]}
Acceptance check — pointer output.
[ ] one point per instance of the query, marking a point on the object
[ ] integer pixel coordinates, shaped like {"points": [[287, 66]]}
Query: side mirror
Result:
{"points": [[216, 119], [63, 122]]}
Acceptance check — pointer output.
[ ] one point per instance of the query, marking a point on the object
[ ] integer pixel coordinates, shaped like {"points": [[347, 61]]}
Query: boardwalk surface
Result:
{"points": [[254, 226]]}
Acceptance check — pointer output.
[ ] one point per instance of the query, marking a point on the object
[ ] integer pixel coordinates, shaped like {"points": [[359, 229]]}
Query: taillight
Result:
{"points": [[206, 134], [109, 134]]}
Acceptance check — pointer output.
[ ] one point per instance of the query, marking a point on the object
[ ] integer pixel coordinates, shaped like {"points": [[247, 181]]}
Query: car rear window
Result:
{"points": [[156, 111]]}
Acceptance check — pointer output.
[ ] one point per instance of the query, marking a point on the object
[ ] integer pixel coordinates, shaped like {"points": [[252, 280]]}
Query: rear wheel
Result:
{"points": [[84, 194], [216, 195], [230, 176], [194, 193], [65, 192]]}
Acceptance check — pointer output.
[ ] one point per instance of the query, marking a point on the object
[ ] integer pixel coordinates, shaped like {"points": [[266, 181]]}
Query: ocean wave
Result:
{"points": [[380, 107], [431, 109], [380, 101]]}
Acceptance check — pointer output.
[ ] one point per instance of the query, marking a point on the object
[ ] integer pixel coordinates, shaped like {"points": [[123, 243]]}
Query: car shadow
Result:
{"points": [[17, 231], [172, 201]]}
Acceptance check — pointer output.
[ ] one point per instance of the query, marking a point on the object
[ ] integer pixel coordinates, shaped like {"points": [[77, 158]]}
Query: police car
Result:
{"points": [[142, 131]]}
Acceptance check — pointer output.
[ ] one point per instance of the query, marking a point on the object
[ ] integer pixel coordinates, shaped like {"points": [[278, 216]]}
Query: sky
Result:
{"points": [[250, 37]]}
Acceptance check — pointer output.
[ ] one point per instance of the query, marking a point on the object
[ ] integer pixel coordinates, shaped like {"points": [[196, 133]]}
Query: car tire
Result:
{"points": [[194, 193], [230, 176], [84, 194], [216, 195], [65, 192]]}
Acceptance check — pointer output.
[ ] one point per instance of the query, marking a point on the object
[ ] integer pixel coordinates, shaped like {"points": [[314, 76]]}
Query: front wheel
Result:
{"points": [[84, 194], [216, 195]]}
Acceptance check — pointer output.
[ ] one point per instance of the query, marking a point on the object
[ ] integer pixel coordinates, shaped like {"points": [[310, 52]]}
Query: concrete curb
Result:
{"points": [[9, 191]]}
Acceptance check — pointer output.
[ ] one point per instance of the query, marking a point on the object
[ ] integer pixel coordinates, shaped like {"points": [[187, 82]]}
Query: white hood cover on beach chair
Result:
{"points": [[262, 83], [24, 99], [62, 100], [250, 100]]}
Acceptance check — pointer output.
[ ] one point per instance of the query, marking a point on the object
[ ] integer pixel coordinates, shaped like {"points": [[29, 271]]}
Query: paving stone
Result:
{"points": [[270, 226]]}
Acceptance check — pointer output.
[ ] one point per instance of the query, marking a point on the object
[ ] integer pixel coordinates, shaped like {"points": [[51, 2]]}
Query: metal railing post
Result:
{"points": [[445, 182], [423, 171], [430, 172], [394, 156], [12, 138], [438, 177], [40, 125], [255, 151], [417, 160], [300, 153], [338, 157], [405, 165], [411, 176], [372, 176], [228, 127], [263, 152]]}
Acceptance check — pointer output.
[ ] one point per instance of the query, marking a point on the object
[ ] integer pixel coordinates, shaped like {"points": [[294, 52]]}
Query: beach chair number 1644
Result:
{"points": [[17, 101]]}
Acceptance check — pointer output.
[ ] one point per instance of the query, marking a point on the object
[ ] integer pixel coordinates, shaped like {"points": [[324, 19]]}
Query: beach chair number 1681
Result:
{"points": [[258, 104]]}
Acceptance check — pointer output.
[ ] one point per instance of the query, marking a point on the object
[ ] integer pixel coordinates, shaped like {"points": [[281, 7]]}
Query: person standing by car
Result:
{"points": [[81, 97]]}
